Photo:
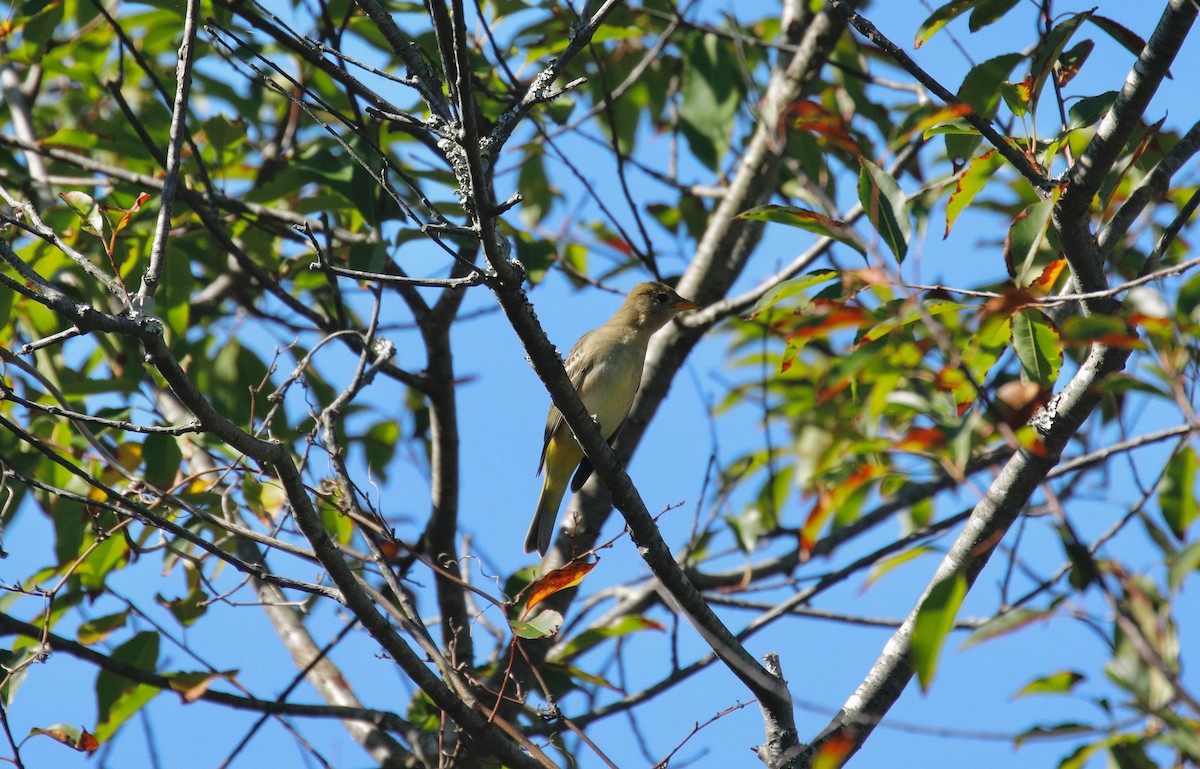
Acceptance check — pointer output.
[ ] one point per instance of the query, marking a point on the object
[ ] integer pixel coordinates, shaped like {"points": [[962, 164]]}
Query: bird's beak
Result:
{"points": [[686, 304]]}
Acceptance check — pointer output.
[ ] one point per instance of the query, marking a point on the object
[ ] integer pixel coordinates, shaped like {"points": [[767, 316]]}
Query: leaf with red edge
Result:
{"points": [[832, 498], [947, 114], [127, 213], [806, 220], [1107, 330], [76, 738], [1027, 235], [971, 183], [833, 752], [1072, 61], [559, 579], [1050, 49], [1128, 39], [886, 207]]}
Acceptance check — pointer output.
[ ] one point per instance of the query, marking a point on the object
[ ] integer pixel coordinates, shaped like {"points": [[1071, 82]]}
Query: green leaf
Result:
{"points": [[940, 17], [118, 698], [1177, 497], [100, 628], [935, 619], [790, 288], [981, 90], [163, 457], [1026, 237], [881, 568], [886, 207], [615, 629], [1055, 683], [1004, 624], [806, 220], [710, 94], [543, 625], [1047, 53], [1181, 565], [988, 12], [1038, 346], [85, 207], [971, 183], [1089, 110]]}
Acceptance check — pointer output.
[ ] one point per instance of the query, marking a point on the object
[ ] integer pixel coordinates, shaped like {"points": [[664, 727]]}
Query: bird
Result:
{"points": [[605, 366]]}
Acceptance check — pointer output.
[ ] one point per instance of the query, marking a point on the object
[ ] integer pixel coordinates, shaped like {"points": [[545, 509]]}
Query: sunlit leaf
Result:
{"points": [[790, 288], [1026, 237], [618, 628], [85, 207], [544, 625], [1061, 682]]}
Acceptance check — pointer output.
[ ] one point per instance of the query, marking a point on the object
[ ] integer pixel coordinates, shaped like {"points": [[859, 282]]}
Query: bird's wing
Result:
{"points": [[577, 371]]}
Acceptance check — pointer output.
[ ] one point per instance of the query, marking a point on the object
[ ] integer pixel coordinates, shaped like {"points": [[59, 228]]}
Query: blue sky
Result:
{"points": [[502, 412]]}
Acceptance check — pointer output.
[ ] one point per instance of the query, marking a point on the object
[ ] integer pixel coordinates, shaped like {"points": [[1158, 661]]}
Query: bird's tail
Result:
{"points": [[541, 530]]}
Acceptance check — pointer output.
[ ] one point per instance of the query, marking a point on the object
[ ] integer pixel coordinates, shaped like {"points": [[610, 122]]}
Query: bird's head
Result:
{"points": [[651, 305]]}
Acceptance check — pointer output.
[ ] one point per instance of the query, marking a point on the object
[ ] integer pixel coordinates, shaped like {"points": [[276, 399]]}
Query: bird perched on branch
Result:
{"points": [[605, 366]]}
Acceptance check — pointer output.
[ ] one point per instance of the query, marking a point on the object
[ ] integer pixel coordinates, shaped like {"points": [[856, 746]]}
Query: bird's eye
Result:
{"points": [[662, 298]]}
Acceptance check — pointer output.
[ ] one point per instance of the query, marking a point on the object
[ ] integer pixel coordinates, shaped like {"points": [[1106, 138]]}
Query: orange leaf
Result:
{"points": [[826, 123], [1044, 282], [76, 738], [1009, 302], [559, 579], [921, 439]]}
